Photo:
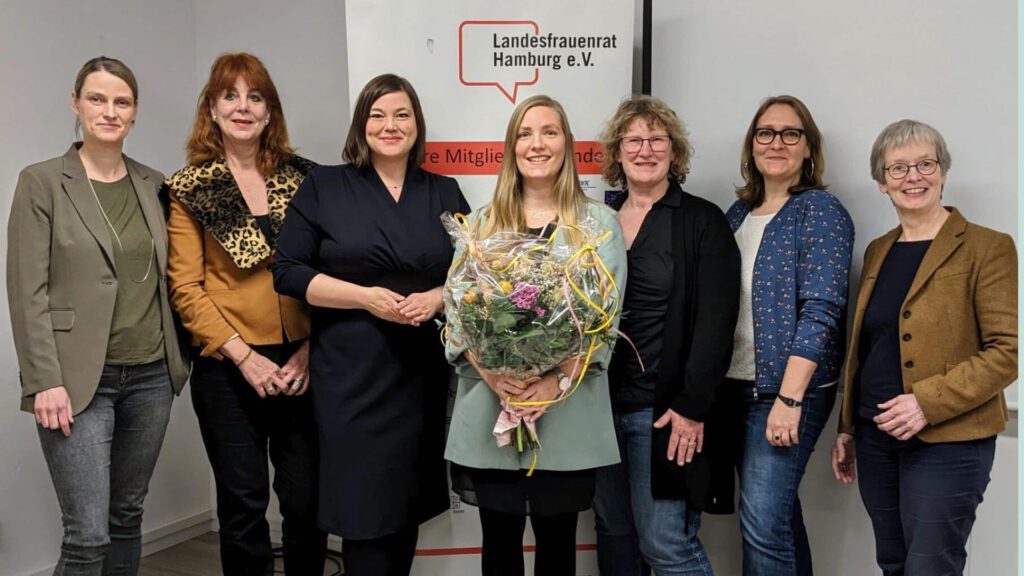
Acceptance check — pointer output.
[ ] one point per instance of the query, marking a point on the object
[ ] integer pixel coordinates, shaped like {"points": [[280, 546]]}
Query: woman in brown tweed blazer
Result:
{"points": [[934, 344]]}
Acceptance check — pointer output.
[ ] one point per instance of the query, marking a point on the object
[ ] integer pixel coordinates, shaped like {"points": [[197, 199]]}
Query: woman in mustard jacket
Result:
{"points": [[250, 349], [934, 344]]}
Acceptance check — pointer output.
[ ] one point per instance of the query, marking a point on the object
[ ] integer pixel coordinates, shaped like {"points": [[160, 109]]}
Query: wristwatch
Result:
{"points": [[563, 380], [789, 401]]}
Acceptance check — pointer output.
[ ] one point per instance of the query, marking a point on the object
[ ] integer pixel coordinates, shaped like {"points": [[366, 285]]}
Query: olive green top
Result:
{"points": [[136, 336]]}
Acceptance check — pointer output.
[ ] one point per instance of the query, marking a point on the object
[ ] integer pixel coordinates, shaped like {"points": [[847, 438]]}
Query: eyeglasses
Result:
{"points": [[899, 170], [633, 144], [790, 136]]}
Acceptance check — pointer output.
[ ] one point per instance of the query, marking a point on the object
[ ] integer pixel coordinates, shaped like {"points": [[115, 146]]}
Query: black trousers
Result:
{"points": [[921, 498], [239, 429], [389, 555], [503, 543]]}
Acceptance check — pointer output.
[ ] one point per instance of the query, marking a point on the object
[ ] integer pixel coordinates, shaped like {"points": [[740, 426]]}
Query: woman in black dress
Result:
{"points": [[364, 245]]}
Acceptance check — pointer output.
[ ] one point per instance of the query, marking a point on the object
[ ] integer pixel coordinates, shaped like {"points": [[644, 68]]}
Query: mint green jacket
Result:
{"points": [[575, 435]]}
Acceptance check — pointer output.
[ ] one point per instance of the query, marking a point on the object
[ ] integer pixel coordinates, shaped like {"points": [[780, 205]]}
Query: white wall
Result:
{"points": [[42, 45], [858, 66], [302, 44]]}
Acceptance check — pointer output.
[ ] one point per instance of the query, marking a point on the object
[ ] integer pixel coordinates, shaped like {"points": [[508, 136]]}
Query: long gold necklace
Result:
{"points": [[152, 243]]}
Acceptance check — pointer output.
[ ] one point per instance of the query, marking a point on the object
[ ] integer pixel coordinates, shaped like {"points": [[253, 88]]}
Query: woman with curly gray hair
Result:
{"points": [[673, 435]]}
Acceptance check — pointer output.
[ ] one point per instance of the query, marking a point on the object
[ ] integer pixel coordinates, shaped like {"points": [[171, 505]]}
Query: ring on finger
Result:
{"points": [[297, 383]]}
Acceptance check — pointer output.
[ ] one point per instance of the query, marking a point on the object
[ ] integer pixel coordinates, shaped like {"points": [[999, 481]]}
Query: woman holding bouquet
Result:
{"points": [[537, 190], [364, 245]]}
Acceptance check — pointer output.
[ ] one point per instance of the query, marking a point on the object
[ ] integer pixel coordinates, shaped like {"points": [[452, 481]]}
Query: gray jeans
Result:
{"points": [[101, 472]]}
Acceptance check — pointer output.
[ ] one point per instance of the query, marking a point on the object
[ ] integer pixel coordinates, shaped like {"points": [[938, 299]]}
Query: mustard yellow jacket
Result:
{"points": [[218, 258], [958, 326]]}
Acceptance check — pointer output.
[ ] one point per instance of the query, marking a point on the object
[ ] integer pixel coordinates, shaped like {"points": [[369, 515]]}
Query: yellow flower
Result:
{"points": [[505, 286], [469, 297]]}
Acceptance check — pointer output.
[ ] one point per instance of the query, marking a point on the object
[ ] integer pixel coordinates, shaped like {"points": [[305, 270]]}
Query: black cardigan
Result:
{"points": [[696, 350]]}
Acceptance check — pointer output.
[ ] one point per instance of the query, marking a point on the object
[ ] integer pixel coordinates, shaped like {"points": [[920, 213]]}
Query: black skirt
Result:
{"points": [[546, 492]]}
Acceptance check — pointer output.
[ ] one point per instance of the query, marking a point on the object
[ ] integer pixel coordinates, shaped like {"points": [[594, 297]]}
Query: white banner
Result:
{"points": [[471, 61]]}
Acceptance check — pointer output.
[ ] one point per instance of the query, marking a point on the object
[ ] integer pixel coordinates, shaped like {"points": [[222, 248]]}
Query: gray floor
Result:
{"points": [[195, 557]]}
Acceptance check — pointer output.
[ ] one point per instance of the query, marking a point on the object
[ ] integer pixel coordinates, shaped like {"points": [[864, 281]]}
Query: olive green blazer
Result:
{"points": [[576, 435], [62, 283], [958, 326]]}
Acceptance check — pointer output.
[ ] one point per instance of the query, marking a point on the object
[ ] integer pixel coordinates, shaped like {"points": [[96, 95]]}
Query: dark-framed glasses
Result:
{"points": [[790, 136], [899, 170], [633, 144]]}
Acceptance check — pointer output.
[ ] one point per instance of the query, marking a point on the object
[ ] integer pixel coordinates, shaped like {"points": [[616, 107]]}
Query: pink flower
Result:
{"points": [[524, 296], [539, 311]]}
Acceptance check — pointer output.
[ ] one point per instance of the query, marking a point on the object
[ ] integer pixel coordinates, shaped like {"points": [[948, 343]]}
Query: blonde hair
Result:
{"points": [[505, 213]]}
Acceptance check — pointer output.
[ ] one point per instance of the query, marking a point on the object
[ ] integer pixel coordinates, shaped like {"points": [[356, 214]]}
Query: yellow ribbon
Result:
{"points": [[586, 256]]}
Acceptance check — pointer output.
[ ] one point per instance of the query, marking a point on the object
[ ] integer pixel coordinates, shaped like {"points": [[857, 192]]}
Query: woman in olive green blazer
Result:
{"points": [[97, 347], [934, 344]]}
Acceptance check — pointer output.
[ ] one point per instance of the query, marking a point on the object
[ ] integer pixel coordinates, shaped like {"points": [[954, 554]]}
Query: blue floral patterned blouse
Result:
{"points": [[800, 287]]}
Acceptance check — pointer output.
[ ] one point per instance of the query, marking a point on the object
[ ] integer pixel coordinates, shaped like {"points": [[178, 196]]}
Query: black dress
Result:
{"points": [[379, 388]]}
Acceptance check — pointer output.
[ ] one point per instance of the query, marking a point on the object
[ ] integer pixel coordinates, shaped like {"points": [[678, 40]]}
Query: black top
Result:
{"points": [[263, 221], [644, 306], [696, 343], [880, 374], [379, 389]]}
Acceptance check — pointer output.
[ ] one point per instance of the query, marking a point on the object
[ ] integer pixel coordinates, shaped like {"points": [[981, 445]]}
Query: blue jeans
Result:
{"points": [[921, 498], [628, 517], [771, 521], [101, 472]]}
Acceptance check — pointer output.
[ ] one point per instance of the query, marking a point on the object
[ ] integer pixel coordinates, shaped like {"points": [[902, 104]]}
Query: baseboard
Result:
{"points": [[177, 532], [165, 536]]}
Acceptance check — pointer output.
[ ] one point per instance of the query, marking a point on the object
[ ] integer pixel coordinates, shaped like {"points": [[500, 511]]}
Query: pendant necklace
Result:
{"points": [[117, 238]]}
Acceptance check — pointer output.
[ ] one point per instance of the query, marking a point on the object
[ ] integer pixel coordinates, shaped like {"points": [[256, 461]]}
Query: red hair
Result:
{"points": [[206, 142]]}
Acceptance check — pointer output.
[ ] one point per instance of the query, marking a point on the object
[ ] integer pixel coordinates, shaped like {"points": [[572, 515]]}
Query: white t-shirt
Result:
{"points": [[748, 237]]}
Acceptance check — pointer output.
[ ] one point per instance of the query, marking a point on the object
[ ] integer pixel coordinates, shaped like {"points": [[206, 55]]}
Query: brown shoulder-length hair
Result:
{"points": [[505, 212], [207, 143], [813, 169], [357, 151]]}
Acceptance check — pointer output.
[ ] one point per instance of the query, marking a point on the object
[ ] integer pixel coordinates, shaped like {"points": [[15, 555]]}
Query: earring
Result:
{"points": [[214, 116]]}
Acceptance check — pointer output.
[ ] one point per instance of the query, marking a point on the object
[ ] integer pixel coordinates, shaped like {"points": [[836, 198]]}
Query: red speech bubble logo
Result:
{"points": [[472, 36]]}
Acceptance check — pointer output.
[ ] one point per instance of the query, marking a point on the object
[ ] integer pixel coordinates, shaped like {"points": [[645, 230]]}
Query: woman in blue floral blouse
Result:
{"points": [[795, 241]]}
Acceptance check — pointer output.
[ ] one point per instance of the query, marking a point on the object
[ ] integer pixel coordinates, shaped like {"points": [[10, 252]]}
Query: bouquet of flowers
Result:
{"points": [[522, 305]]}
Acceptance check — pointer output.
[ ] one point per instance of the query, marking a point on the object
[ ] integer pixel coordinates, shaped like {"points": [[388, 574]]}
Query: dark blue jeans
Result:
{"points": [[101, 472], [771, 521], [628, 516], [239, 429], [921, 498]]}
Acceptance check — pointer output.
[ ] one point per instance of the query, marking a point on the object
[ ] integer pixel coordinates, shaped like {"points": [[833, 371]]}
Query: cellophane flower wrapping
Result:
{"points": [[523, 304]]}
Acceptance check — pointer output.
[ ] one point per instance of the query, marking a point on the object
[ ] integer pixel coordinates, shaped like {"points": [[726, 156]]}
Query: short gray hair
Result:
{"points": [[901, 133]]}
